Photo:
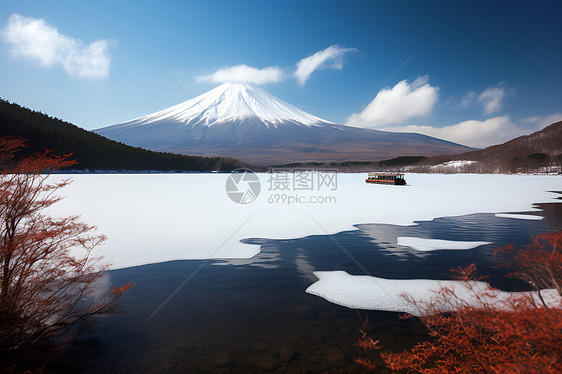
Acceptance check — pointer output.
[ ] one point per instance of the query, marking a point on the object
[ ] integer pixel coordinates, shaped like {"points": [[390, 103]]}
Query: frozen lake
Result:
{"points": [[150, 218], [241, 302]]}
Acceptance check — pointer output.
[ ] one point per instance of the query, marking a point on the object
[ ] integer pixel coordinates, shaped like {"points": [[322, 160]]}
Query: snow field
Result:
{"points": [[151, 218]]}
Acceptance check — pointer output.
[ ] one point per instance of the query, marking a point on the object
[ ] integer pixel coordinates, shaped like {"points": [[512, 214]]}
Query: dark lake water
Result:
{"points": [[254, 315]]}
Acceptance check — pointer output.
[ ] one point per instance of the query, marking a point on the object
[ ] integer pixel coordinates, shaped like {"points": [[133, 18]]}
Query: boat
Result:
{"points": [[386, 178]]}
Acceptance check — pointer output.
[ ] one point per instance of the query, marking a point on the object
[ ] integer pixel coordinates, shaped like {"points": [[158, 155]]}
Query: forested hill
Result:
{"points": [[93, 151], [526, 153]]}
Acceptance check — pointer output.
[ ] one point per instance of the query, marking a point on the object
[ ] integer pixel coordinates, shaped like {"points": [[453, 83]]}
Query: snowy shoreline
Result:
{"points": [[127, 172]]}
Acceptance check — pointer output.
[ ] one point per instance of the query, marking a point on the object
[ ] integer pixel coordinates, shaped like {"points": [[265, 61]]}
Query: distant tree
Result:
{"points": [[518, 334], [538, 158], [47, 270], [402, 161]]}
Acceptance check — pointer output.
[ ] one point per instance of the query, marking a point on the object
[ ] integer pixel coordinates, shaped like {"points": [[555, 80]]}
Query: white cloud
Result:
{"points": [[244, 73], [473, 133], [329, 58], [34, 39], [542, 122], [398, 104], [491, 99]]}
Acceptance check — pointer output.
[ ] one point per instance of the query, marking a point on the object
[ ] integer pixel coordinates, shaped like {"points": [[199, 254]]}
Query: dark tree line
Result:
{"points": [[93, 151], [354, 165]]}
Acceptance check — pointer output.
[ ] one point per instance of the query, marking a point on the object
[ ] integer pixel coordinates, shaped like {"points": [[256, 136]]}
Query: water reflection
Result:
{"points": [[254, 316], [303, 266]]}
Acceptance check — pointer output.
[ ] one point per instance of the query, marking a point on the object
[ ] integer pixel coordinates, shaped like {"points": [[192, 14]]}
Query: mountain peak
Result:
{"points": [[237, 84], [232, 101]]}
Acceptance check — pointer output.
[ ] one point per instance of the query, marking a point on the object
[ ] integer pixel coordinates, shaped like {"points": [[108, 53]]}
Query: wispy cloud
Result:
{"points": [[244, 73], [473, 133], [34, 39], [541, 122], [467, 99], [329, 58], [491, 99], [397, 104]]}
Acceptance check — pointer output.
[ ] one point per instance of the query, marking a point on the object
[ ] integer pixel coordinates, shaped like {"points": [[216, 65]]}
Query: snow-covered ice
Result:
{"points": [[151, 218], [519, 216], [426, 245], [373, 293]]}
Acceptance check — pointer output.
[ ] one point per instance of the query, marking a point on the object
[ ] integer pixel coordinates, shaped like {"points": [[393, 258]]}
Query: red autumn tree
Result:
{"points": [[499, 333], [48, 273]]}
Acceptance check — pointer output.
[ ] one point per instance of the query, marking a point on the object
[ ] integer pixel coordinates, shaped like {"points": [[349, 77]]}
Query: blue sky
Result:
{"points": [[474, 72]]}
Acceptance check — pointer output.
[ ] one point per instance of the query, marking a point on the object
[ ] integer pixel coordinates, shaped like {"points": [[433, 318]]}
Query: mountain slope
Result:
{"points": [[244, 121], [539, 149], [547, 141], [91, 150]]}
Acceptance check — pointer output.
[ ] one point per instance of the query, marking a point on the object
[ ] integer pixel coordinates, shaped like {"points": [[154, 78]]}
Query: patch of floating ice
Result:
{"points": [[151, 218], [426, 245], [373, 293], [519, 216]]}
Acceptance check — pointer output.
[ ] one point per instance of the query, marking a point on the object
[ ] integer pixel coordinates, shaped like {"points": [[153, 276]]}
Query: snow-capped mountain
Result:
{"points": [[243, 121], [231, 102]]}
